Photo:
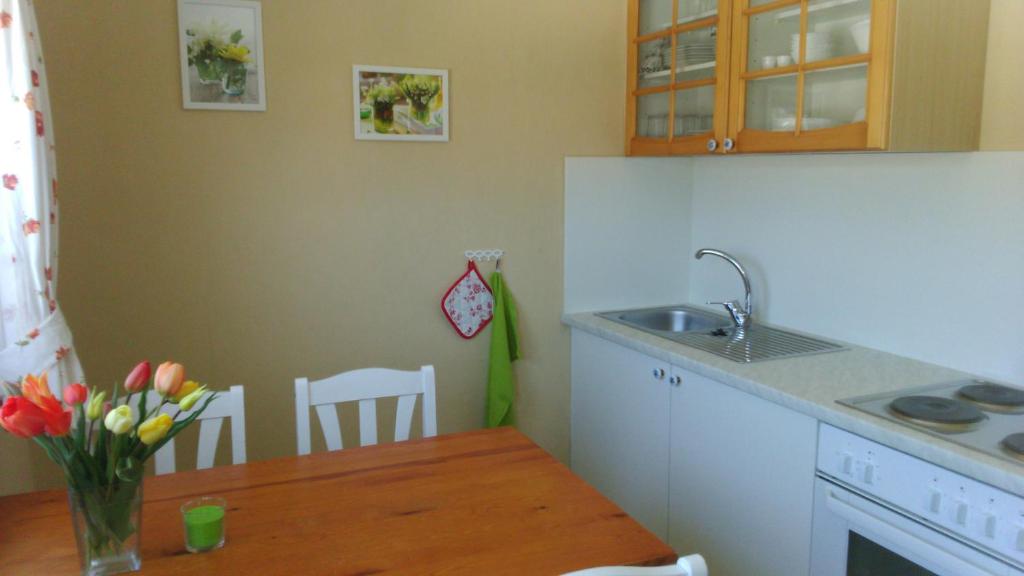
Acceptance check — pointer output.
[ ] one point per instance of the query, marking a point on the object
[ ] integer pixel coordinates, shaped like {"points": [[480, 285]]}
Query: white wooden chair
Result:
{"points": [[692, 565], [364, 386], [230, 404]]}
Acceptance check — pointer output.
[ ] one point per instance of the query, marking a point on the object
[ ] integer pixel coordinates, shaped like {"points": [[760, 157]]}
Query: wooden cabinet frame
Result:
{"points": [[672, 144], [925, 73]]}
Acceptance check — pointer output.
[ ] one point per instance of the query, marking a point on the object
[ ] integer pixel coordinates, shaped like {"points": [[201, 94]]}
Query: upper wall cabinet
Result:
{"points": [[729, 76]]}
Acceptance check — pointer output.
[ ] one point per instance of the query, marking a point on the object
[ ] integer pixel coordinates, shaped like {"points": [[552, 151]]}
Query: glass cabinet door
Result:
{"points": [[802, 79], [679, 69]]}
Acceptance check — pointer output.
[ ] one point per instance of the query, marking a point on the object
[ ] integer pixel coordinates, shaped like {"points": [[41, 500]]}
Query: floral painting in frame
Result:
{"points": [[400, 103], [221, 46]]}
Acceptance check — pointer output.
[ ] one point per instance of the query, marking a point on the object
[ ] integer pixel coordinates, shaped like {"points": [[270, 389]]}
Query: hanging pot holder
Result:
{"points": [[469, 304]]}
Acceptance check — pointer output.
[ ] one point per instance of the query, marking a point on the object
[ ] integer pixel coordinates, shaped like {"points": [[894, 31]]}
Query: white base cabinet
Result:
{"points": [[620, 427], [708, 468]]}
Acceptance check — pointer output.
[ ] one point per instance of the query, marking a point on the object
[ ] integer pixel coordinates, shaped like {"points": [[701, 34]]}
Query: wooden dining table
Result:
{"points": [[484, 502]]}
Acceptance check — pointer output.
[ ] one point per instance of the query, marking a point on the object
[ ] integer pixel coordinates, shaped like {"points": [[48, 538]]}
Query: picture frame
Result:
{"points": [[400, 104], [221, 51]]}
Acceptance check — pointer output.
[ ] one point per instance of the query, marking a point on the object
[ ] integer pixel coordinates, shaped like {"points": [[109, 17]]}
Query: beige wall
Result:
{"points": [[257, 247], [1002, 119]]}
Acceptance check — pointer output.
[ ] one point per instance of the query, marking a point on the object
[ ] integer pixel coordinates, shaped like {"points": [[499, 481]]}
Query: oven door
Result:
{"points": [[855, 536]]}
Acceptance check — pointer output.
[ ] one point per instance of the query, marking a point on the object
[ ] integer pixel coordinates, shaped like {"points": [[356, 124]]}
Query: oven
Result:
{"points": [[879, 512]]}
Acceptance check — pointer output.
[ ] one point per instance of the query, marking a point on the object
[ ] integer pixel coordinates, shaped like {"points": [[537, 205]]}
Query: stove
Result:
{"points": [[983, 416]]}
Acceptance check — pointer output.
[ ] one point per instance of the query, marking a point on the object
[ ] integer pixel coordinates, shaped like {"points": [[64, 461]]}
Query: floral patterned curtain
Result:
{"points": [[33, 334]]}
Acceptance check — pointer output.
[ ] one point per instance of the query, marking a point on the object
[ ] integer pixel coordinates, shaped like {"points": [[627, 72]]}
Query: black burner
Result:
{"points": [[1015, 443], [935, 410], [994, 394]]}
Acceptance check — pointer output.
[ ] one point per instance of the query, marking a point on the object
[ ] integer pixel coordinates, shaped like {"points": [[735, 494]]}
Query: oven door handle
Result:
{"points": [[902, 538]]}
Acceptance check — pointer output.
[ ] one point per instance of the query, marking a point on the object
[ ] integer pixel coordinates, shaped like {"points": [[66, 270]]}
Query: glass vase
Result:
{"points": [[107, 522], [234, 78], [209, 70], [383, 117], [420, 112]]}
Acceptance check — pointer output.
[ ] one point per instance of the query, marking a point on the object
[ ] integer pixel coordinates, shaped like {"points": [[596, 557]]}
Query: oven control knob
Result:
{"points": [[961, 513], [847, 465], [869, 473], [990, 525], [935, 501]]}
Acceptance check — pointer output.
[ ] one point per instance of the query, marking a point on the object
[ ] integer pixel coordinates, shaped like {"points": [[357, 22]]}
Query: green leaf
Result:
{"points": [[236, 36]]}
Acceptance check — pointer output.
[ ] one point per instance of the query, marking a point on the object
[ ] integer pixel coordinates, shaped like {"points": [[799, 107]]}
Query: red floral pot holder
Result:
{"points": [[469, 304]]}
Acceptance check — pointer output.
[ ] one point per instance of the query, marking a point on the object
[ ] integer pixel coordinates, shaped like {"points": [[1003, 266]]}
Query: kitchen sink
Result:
{"points": [[671, 319], [718, 335]]}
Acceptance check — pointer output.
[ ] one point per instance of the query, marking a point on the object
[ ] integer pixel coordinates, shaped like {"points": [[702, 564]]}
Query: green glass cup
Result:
{"points": [[204, 523]]}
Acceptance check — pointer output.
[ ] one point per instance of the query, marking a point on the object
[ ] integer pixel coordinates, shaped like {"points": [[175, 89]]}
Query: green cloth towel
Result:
{"points": [[501, 386]]}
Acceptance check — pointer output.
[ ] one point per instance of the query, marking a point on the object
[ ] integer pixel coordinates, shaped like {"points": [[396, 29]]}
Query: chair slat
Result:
{"points": [[403, 417], [329, 424], [368, 422], [209, 433]]}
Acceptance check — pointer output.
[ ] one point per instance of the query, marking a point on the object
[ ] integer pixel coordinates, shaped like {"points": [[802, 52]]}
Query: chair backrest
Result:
{"points": [[692, 565], [230, 404], [364, 386]]}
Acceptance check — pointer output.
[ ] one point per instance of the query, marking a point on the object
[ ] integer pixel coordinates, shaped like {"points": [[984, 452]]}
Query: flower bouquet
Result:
{"points": [[382, 96], [101, 448], [420, 91]]}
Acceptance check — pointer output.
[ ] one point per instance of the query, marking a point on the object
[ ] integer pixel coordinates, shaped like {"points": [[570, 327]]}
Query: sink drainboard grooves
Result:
{"points": [[756, 343]]}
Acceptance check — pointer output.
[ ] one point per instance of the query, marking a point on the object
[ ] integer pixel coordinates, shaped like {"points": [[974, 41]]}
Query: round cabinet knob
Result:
{"points": [[659, 373], [728, 144], [712, 145], [675, 380]]}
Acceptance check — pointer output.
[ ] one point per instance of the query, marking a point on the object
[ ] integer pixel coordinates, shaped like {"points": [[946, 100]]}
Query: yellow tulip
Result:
{"points": [[95, 408], [155, 429], [235, 52], [119, 420], [187, 387], [189, 401]]}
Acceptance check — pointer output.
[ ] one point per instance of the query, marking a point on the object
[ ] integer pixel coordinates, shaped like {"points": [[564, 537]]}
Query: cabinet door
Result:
{"points": [[678, 76], [741, 480], [810, 74], [620, 409]]}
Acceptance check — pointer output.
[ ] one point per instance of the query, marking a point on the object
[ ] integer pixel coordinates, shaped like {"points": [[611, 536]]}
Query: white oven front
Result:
{"points": [[858, 536]]}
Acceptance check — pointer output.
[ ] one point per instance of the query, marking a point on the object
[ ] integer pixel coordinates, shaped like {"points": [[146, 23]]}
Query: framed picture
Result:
{"points": [[400, 103], [221, 46]]}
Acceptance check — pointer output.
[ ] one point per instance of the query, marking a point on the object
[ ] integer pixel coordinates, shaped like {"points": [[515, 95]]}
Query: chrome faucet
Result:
{"points": [[741, 314]]}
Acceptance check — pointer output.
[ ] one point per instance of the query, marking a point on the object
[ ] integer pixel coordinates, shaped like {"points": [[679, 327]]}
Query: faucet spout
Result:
{"points": [[741, 317]]}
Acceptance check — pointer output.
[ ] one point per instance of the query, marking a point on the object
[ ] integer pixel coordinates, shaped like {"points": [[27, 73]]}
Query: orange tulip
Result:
{"points": [[36, 389], [21, 417], [168, 379]]}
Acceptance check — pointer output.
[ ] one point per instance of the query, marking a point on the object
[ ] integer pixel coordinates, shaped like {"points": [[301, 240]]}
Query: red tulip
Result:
{"points": [[58, 418], [75, 394], [168, 379], [21, 417], [138, 377]]}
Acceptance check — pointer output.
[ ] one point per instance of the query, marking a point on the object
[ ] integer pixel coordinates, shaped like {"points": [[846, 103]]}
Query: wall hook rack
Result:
{"points": [[484, 255]]}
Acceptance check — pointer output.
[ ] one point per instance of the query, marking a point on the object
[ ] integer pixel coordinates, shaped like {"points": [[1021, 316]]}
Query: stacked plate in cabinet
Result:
{"points": [[695, 52], [819, 46]]}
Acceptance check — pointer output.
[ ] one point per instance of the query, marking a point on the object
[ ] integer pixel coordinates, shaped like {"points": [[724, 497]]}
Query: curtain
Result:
{"points": [[33, 334]]}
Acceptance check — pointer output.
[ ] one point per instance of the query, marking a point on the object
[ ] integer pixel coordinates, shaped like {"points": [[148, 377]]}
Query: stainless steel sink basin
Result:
{"points": [[718, 335], [672, 319]]}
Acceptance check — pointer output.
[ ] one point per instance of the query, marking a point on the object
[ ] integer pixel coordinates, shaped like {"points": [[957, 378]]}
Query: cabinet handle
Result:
{"points": [[675, 380], [712, 145], [728, 144], [659, 373]]}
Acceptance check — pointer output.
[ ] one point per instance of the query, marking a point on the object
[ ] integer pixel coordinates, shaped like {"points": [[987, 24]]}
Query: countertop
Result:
{"points": [[812, 384]]}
